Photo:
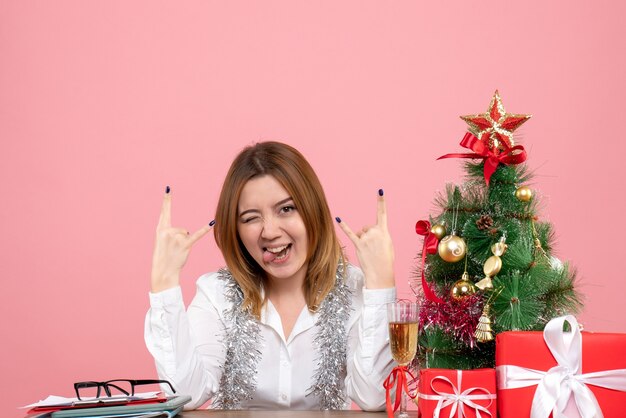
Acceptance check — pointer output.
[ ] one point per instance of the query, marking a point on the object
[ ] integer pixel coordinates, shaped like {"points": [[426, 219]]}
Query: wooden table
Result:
{"points": [[283, 414]]}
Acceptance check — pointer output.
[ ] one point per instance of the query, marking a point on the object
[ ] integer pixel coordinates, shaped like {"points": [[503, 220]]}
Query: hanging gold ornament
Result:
{"points": [[491, 268], [462, 288], [493, 264], [452, 248], [499, 247], [438, 230], [483, 331], [524, 194], [539, 254]]}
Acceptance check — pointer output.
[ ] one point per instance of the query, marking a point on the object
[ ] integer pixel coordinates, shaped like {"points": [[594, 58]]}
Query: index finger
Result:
{"points": [[165, 219], [381, 213], [201, 232], [346, 229]]}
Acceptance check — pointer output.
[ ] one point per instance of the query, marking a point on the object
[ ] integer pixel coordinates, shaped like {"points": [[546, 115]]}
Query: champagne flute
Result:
{"points": [[403, 320]]}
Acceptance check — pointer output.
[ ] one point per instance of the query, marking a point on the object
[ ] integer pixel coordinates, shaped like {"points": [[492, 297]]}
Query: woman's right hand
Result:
{"points": [[171, 248], [374, 249]]}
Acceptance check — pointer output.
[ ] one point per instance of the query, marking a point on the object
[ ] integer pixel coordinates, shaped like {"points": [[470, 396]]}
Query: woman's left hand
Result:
{"points": [[374, 249]]}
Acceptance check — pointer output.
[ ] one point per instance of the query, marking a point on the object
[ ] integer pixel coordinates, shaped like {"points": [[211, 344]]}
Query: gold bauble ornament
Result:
{"points": [[524, 194], [452, 248], [462, 288], [438, 230]]}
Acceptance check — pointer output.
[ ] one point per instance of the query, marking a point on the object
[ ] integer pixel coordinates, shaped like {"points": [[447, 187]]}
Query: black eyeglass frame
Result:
{"points": [[111, 384]]}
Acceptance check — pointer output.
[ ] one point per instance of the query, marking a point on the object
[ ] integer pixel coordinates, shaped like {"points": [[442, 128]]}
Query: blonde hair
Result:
{"points": [[289, 167]]}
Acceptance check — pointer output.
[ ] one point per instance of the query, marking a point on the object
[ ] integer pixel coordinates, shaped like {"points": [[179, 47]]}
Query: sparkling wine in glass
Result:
{"points": [[403, 319]]}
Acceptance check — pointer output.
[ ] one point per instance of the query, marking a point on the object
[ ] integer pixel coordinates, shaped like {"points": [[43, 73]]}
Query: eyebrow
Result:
{"points": [[282, 202]]}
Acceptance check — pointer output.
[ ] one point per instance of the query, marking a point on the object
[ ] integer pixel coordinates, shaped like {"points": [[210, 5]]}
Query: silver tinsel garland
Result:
{"points": [[243, 338], [332, 341]]}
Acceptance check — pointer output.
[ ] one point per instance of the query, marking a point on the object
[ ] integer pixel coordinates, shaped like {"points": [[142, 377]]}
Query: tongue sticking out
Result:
{"points": [[268, 257]]}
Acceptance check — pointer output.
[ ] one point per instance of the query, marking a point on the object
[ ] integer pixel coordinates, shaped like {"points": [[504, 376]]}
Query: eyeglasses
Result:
{"points": [[125, 386]]}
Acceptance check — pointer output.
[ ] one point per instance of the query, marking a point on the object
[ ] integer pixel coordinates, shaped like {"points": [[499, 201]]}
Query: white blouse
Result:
{"points": [[188, 349]]}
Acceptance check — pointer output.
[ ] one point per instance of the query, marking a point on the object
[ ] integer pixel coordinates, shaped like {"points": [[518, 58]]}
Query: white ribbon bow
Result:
{"points": [[458, 399], [555, 386]]}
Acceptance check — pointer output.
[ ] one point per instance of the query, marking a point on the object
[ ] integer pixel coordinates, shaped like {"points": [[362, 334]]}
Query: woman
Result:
{"points": [[289, 324]]}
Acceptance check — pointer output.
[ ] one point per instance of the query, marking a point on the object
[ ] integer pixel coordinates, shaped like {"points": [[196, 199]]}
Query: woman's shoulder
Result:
{"points": [[354, 277], [213, 287]]}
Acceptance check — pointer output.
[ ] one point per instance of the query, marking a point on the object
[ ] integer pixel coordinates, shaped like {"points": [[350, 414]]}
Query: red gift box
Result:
{"points": [[445, 392], [553, 370]]}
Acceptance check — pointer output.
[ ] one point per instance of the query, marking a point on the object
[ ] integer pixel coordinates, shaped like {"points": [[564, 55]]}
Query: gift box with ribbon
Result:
{"points": [[561, 373], [457, 393]]}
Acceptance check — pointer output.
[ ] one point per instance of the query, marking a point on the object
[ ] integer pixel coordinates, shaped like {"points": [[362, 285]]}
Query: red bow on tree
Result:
{"points": [[430, 247], [492, 157]]}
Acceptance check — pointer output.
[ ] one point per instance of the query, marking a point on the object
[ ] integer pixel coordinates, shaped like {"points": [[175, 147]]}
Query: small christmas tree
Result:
{"points": [[487, 263]]}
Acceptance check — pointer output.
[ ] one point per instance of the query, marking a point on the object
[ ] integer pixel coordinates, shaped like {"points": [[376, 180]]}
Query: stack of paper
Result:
{"points": [[141, 405]]}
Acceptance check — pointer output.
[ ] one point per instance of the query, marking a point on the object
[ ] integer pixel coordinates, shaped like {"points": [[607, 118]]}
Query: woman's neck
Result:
{"points": [[287, 296], [289, 286]]}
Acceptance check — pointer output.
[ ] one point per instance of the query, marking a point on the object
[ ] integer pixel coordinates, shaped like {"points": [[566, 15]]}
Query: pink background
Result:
{"points": [[104, 103]]}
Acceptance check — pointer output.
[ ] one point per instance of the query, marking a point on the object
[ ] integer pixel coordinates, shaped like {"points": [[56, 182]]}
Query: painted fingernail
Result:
{"points": [[380, 192], [167, 189], [338, 219], [212, 222]]}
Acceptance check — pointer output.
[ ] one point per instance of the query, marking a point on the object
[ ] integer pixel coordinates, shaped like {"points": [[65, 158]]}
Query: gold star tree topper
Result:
{"points": [[495, 127]]}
